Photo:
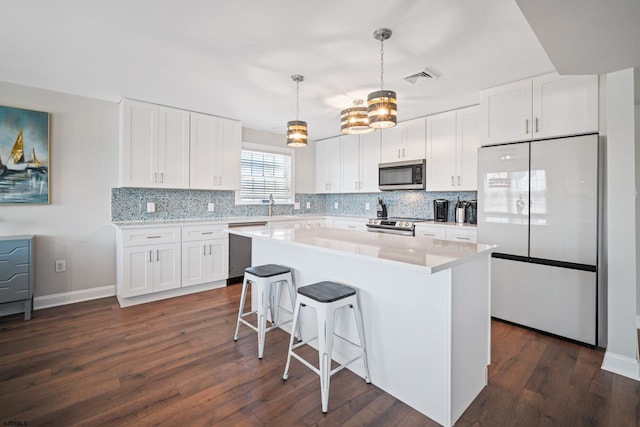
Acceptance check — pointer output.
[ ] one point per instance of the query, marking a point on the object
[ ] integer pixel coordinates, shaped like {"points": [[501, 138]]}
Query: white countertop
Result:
{"points": [[423, 252]]}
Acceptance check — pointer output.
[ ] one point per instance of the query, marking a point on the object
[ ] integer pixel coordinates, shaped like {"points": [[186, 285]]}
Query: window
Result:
{"points": [[265, 171]]}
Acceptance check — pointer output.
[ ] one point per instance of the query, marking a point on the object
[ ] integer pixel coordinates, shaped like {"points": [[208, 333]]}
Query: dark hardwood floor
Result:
{"points": [[174, 362]]}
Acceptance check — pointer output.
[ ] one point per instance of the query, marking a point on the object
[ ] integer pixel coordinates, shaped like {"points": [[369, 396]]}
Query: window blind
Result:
{"points": [[263, 174]]}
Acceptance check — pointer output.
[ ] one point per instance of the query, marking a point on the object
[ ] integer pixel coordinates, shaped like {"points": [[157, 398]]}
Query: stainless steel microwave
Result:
{"points": [[405, 175]]}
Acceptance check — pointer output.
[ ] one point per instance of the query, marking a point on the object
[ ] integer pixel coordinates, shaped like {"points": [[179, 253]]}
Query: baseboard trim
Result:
{"points": [[157, 296], [621, 365], [71, 297]]}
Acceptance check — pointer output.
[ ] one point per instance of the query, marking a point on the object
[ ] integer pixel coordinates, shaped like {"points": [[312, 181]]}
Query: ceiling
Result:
{"points": [[235, 58]]}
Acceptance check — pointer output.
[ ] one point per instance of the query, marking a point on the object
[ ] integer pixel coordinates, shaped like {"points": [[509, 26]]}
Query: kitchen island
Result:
{"points": [[425, 304]]}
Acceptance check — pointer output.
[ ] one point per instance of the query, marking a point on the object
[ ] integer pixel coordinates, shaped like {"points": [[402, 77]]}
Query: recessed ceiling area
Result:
{"points": [[235, 58]]}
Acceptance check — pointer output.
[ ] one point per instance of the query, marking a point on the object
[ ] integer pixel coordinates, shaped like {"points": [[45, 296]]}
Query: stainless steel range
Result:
{"points": [[403, 226]]}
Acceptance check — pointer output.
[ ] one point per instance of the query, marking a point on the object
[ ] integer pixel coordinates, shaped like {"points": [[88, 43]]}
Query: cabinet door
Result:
{"points": [[328, 165], [322, 167], [413, 139], [229, 151], [505, 113], [137, 270], [138, 144], [203, 151], [564, 105], [468, 142], [391, 144], [173, 148], [350, 163], [441, 145], [335, 165], [369, 161], [166, 267], [217, 260], [193, 263]]}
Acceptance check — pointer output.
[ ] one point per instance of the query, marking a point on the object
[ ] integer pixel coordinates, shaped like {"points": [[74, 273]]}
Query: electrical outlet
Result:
{"points": [[151, 207], [210, 207], [296, 206], [308, 205], [335, 205], [367, 206], [61, 265]]}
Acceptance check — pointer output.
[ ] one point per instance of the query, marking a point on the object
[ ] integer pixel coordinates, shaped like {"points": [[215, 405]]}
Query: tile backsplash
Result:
{"points": [[130, 204]]}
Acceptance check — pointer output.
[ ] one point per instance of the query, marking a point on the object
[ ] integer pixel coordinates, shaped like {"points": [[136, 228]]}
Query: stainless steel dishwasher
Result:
{"points": [[240, 251]]}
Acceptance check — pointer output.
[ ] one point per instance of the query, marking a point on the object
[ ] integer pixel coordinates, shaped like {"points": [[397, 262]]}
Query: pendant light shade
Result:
{"points": [[297, 129], [355, 120], [382, 106]]}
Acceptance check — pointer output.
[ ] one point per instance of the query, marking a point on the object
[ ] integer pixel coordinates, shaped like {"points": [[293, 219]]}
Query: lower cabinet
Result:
{"points": [[459, 233], [17, 273], [151, 260], [205, 255]]}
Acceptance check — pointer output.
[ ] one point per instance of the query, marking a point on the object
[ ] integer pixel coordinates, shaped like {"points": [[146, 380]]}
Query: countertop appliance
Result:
{"points": [[441, 210], [472, 212], [381, 209], [405, 175], [538, 200], [402, 226], [461, 211], [240, 251]]}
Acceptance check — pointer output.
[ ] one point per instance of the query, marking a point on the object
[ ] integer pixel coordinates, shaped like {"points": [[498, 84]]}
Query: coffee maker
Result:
{"points": [[472, 212], [381, 209], [441, 210]]}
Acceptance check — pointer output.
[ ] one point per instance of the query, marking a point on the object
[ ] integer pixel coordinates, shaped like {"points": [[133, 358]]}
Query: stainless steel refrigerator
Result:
{"points": [[538, 200]]}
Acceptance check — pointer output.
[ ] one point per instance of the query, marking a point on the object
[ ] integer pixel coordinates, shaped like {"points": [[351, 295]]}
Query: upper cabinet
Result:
{"points": [[405, 141], [154, 146], [452, 144], [542, 107], [216, 144], [163, 147], [328, 165], [360, 158]]}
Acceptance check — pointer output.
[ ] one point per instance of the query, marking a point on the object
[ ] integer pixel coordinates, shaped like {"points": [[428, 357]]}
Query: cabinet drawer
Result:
{"points": [[203, 232], [15, 289], [150, 236], [434, 232], [462, 235]]}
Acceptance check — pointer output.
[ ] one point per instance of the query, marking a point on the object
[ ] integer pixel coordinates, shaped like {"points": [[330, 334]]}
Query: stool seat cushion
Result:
{"points": [[326, 291], [267, 270]]}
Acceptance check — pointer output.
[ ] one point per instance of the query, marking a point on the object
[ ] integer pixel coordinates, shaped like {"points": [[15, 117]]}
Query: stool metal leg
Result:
{"points": [[296, 315], [263, 297], [359, 324], [325, 347], [243, 298]]}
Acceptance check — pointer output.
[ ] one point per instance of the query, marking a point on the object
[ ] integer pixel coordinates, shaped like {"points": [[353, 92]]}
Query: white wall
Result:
{"points": [[76, 225], [622, 348], [305, 157]]}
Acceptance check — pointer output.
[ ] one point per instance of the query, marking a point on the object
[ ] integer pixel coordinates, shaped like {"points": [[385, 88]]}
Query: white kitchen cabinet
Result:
{"points": [[459, 233], [215, 148], [154, 146], [405, 141], [205, 254], [452, 145], [149, 261], [360, 159], [546, 106], [328, 165]]}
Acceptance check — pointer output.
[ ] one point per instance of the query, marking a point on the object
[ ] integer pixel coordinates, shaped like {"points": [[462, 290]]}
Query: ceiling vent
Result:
{"points": [[422, 75]]}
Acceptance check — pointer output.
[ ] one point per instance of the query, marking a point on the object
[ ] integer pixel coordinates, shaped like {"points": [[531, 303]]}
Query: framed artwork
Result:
{"points": [[24, 156]]}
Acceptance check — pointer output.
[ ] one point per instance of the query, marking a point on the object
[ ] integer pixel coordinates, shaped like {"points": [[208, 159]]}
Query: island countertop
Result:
{"points": [[425, 253]]}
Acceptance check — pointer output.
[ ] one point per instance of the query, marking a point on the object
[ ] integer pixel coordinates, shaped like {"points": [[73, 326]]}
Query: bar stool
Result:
{"points": [[264, 278], [327, 298]]}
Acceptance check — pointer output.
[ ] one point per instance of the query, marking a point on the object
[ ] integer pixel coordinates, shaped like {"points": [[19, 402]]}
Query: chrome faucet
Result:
{"points": [[271, 205]]}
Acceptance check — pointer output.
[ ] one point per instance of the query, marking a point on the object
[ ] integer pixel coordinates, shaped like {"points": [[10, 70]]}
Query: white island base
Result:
{"points": [[427, 327]]}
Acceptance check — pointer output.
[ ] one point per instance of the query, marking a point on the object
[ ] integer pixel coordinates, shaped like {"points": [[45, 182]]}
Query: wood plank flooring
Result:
{"points": [[174, 362]]}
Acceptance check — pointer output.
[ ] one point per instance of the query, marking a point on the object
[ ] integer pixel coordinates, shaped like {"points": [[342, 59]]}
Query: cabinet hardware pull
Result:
{"points": [[150, 256], [162, 177], [207, 232], [153, 237], [459, 180], [209, 248], [526, 126], [429, 234], [462, 238], [537, 130], [452, 184], [204, 250], [155, 177], [157, 255]]}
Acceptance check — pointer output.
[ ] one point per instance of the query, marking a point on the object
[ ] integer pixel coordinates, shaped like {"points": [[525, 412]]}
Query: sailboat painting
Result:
{"points": [[24, 156]]}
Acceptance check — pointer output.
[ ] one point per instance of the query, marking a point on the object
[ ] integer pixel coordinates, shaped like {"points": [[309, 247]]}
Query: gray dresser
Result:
{"points": [[16, 272]]}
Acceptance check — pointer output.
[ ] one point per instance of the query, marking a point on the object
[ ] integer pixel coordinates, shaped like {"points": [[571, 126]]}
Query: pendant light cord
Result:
{"points": [[381, 64], [297, 98]]}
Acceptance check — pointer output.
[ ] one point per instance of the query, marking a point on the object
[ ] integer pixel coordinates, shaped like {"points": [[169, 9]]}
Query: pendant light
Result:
{"points": [[355, 120], [381, 105], [297, 129]]}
